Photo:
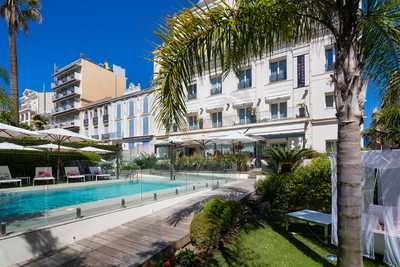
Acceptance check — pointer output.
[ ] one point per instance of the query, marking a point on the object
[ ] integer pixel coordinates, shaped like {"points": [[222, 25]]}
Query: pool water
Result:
{"points": [[19, 205]]}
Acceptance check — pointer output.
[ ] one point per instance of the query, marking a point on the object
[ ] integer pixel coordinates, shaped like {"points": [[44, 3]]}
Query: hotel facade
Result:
{"points": [[285, 98], [34, 103], [81, 83], [126, 120]]}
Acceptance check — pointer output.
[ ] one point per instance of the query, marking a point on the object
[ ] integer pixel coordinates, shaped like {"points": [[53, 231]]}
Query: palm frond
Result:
{"points": [[379, 38]]}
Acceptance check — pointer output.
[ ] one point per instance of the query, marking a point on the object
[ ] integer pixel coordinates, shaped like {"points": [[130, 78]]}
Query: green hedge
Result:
{"points": [[307, 187], [23, 163]]}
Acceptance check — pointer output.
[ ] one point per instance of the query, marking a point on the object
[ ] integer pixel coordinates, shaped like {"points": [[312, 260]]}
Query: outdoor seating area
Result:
{"points": [[55, 165]]}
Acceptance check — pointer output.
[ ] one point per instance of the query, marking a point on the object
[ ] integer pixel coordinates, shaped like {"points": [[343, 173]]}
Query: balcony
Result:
{"points": [[96, 136], [66, 93], [66, 124], [216, 90], [262, 117], [244, 84], [66, 108], [65, 80]]}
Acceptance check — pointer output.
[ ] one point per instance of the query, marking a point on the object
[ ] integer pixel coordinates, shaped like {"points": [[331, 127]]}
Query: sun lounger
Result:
{"points": [[43, 174], [5, 176], [73, 173], [98, 173]]}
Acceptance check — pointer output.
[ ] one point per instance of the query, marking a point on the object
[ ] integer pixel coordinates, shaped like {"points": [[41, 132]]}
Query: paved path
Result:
{"points": [[136, 242]]}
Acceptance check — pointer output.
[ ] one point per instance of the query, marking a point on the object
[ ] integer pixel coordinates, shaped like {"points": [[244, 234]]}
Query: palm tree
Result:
{"points": [[366, 40], [17, 14], [282, 160], [39, 121], [5, 110]]}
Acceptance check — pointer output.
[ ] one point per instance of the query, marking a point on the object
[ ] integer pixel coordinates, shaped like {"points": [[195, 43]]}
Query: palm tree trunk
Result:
{"points": [[14, 76], [349, 91]]}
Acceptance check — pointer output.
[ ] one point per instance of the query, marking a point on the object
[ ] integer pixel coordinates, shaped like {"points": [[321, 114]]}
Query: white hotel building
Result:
{"points": [[287, 98], [125, 119]]}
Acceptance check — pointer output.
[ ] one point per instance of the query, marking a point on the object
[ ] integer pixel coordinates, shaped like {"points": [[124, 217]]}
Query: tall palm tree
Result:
{"points": [[366, 40], [17, 14]]}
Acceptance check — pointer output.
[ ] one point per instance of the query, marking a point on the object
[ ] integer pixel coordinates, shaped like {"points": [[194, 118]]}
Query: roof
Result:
{"points": [[115, 99]]}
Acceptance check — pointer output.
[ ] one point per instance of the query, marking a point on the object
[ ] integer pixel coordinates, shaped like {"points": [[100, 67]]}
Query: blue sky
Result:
{"points": [[120, 31]]}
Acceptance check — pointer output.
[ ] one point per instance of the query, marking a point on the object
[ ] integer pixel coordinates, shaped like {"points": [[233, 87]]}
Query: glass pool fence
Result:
{"points": [[35, 207]]}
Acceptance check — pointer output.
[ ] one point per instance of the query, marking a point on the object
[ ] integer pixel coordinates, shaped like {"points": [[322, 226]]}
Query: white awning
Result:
{"points": [[296, 128]]}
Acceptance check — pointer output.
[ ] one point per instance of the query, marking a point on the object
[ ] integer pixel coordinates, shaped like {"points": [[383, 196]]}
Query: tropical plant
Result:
{"points": [[366, 40], [17, 14], [25, 126], [5, 112], [39, 121], [283, 160]]}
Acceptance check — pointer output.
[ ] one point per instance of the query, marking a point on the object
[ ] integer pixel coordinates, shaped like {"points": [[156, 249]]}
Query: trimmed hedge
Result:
{"points": [[23, 163], [205, 231]]}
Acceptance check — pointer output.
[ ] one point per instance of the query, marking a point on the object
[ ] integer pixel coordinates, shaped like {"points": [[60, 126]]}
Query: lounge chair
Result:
{"points": [[43, 174], [5, 176], [98, 173], [73, 173]]}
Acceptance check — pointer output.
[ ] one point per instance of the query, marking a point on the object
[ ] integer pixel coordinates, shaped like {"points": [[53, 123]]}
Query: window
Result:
{"points": [[329, 59], [146, 104], [245, 79], [216, 119], [131, 108], [119, 112], [330, 146], [302, 112], [119, 129], [192, 120], [192, 91], [278, 71], [131, 128], [300, 72], [216, 86], [105, 110], [246, 115], [279, 110], [145, 125], [329, 101]]}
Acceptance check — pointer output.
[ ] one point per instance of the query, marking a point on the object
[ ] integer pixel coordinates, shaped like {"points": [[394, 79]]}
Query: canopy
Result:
{"points": [[54, 147], [95, 150], [59, 135], [11, 146], [12, 131], [233, 137]]}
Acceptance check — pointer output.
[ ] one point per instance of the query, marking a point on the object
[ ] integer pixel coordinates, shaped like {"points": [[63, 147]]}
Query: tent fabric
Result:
{"points": [[11, 146], [380, 204], [13, 132]]}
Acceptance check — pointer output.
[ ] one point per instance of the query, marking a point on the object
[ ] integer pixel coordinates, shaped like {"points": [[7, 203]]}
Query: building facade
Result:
{"points": [[126, 119], [286, 98], [81, 83], [34, 102]]}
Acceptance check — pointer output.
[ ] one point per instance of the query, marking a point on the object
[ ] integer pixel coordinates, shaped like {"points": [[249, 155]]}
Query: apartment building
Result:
{"points": [[82, 83], [33, 102], [125, 119], [286, 98]]}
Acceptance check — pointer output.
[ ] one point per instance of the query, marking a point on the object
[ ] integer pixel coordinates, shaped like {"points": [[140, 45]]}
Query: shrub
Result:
{"points": [[307, 187], [185, 258], [146, 161], [220, 209], [205, 231]]}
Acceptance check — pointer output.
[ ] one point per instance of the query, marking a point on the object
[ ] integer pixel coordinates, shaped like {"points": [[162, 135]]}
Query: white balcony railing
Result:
{"points": [[66, 107], [67, 92], [73, 77]]}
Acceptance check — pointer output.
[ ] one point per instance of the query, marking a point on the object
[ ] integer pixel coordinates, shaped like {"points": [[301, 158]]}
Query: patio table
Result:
{"points": [[311, 217]]}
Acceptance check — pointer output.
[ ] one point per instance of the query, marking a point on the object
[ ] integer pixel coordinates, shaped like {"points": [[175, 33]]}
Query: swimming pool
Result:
{"points": [[19, 205]]}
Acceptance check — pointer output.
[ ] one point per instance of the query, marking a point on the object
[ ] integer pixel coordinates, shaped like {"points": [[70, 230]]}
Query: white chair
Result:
{"points": [[98, 173], [73, 173], [5, 176], [43, 174]]}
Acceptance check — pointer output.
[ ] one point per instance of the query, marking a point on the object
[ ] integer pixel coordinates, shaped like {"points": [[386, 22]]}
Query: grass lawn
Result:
{"points": [[261, 244]]}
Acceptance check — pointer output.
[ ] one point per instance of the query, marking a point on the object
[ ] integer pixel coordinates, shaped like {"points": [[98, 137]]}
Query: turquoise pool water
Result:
{"points": [[20, 205]]}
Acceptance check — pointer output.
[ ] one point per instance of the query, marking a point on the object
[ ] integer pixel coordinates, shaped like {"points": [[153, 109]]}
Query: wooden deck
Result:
{"points": [[137, 242]]}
